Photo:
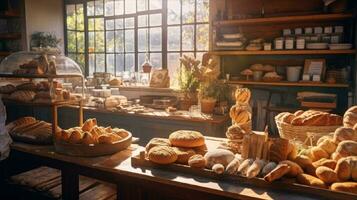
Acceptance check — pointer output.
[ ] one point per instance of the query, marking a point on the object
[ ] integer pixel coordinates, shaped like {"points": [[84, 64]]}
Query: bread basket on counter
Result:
{"points": [[303, 133]]}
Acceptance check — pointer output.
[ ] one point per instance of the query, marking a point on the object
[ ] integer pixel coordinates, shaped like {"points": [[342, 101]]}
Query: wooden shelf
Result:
{"points": [[282, 52], [285, 19], [10, 36], [290, 84], [5, 53]]}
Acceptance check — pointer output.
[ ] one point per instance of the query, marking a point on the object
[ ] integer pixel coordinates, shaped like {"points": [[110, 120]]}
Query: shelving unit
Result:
{"points": [[290, 84], [10, 36], [283, 52], [286, 19], [5, 53]]}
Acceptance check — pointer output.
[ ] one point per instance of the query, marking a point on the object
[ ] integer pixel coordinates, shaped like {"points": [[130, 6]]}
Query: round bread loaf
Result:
{"points": [[186, 138], [183, 154], [350, 117], [344, 133], [157, 142], [162, 155], [197, 161]]}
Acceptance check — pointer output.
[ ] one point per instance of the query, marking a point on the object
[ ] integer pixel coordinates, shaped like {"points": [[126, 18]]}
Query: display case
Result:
{"points": [[38, 78]]}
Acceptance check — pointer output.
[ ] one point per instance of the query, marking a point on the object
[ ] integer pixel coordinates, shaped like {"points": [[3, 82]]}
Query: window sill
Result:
{"points": [[147, 89]]}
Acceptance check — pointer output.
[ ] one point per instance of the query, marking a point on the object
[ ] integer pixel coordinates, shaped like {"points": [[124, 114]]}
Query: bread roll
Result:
{"points": [[344, 133], [65, 135], [307, 179], [323, 138], [327, 175], [255, 168], [350, 117], [295, 169], [325, 162], [346, 148], [218, 168], [346, 168], [232, 167], [303, 161], [157, 142], [242, 169], [350, 187], [75, 138], [318, 153], [279, 171], [88, 139], [197, 161], [328, 145]]}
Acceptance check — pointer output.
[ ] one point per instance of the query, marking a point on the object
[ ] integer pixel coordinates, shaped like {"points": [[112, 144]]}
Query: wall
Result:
{"points": [[45, 16]]}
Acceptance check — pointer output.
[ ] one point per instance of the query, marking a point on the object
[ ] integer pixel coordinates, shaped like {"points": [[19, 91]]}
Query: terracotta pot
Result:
{"points": [[207, 106], [188, 100], [147, 68]]}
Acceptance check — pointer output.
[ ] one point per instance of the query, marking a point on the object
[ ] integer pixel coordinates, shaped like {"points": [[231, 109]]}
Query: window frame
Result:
{"points": [[164, 35]]}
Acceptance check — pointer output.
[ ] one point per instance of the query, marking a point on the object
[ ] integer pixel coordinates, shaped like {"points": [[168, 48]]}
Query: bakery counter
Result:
{"points": [[142, 125], [143, 183]]}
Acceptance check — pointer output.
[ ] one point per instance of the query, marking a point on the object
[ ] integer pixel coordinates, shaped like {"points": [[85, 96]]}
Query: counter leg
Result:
{"points": [[70, 185]]}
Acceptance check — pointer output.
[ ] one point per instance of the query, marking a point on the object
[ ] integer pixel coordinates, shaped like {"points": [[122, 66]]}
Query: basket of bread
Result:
{"points": [[303, 125], [92, 140]]}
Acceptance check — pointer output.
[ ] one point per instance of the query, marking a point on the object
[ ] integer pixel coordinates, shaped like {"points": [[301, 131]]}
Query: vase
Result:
{"points": [[207, 105]]}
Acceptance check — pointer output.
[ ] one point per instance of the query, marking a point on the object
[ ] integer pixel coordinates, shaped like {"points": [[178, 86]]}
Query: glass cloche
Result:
{"points": [[39, 63]]}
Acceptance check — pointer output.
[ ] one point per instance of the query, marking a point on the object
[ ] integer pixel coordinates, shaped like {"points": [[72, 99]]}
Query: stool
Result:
{"points": [[45, 183]]}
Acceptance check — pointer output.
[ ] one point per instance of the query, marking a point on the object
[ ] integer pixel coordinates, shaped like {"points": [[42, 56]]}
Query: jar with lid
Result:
{"points": [[289, 43], [300, 43], [279, 43]]}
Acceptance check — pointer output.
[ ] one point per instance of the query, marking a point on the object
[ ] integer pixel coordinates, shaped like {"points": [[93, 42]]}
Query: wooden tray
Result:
{"points": [[284, 184], [93, 150]]}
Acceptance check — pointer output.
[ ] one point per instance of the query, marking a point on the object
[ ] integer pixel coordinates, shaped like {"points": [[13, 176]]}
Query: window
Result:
{"points": [[116, 35]]}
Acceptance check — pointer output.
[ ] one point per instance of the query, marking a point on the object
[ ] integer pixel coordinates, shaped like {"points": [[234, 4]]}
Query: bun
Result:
{"points": [[303, 161], [295, 169], [328, 145], [326, 174], [307, 179], [162, 155], [350, 117], [183, 154], [346, 168], [186, 138], [157, 142], [279, 171], [344, 133], [350, 187], [346, 148], [197, 161], [326, 163]]}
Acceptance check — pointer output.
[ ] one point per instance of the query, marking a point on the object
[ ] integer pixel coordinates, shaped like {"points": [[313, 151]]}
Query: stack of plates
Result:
{"points": [[340, 46], [317, 46]]}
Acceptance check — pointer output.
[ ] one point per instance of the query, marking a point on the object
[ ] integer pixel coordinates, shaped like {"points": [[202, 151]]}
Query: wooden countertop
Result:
{"points": [[118, 166]]}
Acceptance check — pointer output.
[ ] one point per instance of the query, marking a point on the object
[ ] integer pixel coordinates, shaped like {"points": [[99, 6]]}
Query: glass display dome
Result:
{"points": [[37, 63]]}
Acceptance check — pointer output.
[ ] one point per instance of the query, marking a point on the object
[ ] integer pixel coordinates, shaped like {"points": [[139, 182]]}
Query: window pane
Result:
{"points": [[141, 60], [80, 17], [100, 63], [155, 39], [173, 11], [91, 24], [119, 62], [199, 55], [109, 24], [129, 22], [110, 63], [142, 21], [99, 41], [173, 64], [188, 11], [155, 4], [71, 17], [142, 5], [129, 62], [119, 7], [155, 20], [99, 24], [110, 41], [173, 38], [156, 60], [91, 64], [81, 61], [143, 40], [202, 10], [202, 37], [99, 7], [80, 42], [119, 24], [71, 41], [187, 37], [90, 8], [129, 41], [109, 7], [130, 6], [119, 41], [91, 42]]}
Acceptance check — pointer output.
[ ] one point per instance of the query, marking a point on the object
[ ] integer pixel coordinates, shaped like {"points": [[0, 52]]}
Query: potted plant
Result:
{"points": [[41, 41], [188, 81]]}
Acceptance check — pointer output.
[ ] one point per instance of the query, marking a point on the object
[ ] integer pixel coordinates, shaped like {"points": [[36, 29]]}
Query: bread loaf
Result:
{"points": [[307, 179], [242, 169], [232, 167], [328, 145], [242, 95], [162, 155], [350, 187], [346, 148], [239, 115], [326, 163], [183, 154], [303, 161], [327, 175], [295, 169], [157, 142], [346, 168], [344, 133], [318, 153], [27, 86], [279, 171], [197, 161], [186, 138], [255, 168], [88, 139], [23, 95], [350, 117]]}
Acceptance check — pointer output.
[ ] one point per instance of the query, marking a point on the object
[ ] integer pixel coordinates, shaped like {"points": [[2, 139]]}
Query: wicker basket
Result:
{"points": [[302, 133]]}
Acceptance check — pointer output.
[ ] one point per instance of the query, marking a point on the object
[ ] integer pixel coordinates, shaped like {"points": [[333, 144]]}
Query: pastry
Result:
{"points": [[114, 137], [105, 139], [239, 115], [257, 67], [197, 161], [325, 162], [7, 89], [218, 168], [27, 86], [221, 156], [295, 169], [183, 154], [23, 95], [344, 133], [233, 166], [272, 76], [255, 168], [279, 149], [186, 138], [88, 138], [242, 95], [247, 72], [350, 187], [350, 117], [328, 145], [162, 155], [279, 171], [89, 124], [346, 168], [75, 138], [115, 82], [157, 142], [307, 179], [65, 134], [327, 175]]}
